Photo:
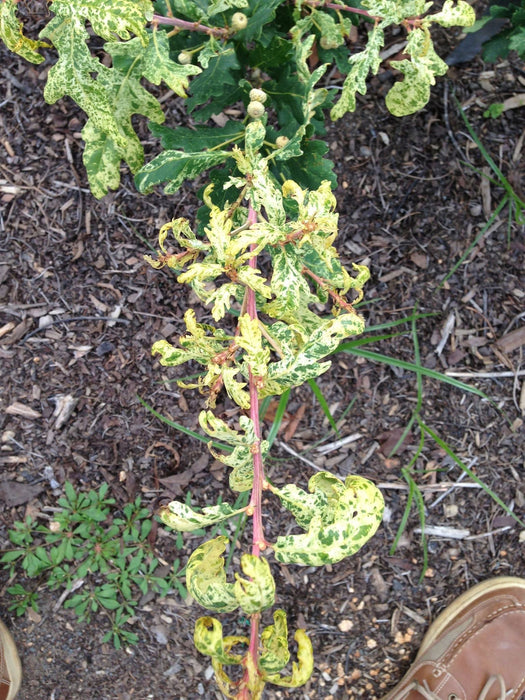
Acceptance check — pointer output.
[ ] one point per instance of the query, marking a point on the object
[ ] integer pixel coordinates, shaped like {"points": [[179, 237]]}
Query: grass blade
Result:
{"points": [[182, 428], [323, 403]]}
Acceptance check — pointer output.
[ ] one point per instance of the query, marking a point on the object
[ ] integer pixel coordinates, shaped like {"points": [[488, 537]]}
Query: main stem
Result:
{"points": [[258, 541]]}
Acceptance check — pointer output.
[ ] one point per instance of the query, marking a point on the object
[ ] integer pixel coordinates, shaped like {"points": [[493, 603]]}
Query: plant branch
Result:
{"points": [[190, 26]]}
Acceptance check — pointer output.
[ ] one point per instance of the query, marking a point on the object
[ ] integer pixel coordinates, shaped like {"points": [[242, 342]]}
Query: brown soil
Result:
{"points": [[410, 207]]}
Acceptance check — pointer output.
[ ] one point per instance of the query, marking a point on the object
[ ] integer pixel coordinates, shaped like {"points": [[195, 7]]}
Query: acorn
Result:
{"points": [[255, 110], [257, 95], [184, 57], [239, 21]]}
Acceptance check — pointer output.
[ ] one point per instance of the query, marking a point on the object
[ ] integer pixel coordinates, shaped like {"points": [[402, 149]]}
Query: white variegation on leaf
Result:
{"points": [[183, 518], [342, 518]]}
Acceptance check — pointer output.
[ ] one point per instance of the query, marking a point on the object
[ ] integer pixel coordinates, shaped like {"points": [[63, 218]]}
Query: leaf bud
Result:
{"points": [[239, 21], [184, 57], [281, 141], [257, 95], [255, 110]]}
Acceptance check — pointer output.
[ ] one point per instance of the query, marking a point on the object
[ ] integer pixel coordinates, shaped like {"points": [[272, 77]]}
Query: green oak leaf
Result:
{"points": [[257, 592], [199, 137], [12, 34], [217, 6], [351, 515], [274, 642], [183, 518], [217, 85], [208, 640], [301, 669], [206, 578]]}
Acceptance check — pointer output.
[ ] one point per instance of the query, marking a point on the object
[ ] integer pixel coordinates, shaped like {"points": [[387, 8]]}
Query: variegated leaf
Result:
{"points": [[274, 641], [250, 340], [301, 669], [257, 592], [209, 641], [453, 14], [206, 578], [183, 518], [362, 64], [157, 66], [107, 17], [412, 93], [12, 34], [352, 514]]}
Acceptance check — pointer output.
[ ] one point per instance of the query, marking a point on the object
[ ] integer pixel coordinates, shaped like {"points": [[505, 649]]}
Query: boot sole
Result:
{"points": [[454, 609], [12, 661]]}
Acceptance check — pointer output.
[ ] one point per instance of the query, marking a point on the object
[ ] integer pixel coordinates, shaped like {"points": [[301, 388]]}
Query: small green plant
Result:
{"points": [[511, 37], [102, 556]]}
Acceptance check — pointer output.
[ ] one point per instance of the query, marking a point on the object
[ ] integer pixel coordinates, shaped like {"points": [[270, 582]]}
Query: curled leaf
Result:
{"points": [[301, 669], [206, 578], [274, 642], [209, 641], [340, 519], [257, 592]]}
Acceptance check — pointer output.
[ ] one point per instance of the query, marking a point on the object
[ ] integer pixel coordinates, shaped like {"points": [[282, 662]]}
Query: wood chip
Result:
{"points": [[19, 409], [512, 341]]}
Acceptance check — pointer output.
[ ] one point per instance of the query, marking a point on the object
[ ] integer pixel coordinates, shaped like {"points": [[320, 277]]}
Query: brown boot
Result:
{"points": [[10, 668], [474, 650]]}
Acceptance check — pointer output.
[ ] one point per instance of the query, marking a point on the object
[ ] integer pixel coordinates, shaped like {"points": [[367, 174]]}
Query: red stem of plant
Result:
{"points": [[258, 468], [346, 8], [191, 26]]}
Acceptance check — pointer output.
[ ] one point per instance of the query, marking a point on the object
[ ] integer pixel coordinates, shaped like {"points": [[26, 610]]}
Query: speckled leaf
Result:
{"points": [[274, 641], [72, 75], [301, 669], [157, 65], [241, 459], [174, 167], [206, 578], [108, 17], [396, 12], [257, 592], [209, 641], [254, 138], [12, 34], [183, 518], [362, 64], [296, 369], [220, 299], [454, 15], [349, 519], [250, 340], [102, 156], [412, 93]]}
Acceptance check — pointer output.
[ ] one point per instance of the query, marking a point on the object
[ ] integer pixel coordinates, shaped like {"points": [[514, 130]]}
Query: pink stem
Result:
{"points": [[258, 468], [191, 26]]}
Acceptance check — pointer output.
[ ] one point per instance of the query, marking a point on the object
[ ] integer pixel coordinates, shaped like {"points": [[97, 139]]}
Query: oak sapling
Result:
{"points": [[270, 207]]}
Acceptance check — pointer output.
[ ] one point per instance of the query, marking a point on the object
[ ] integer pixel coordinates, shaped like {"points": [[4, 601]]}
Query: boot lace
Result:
{"points": [[428, 694]]}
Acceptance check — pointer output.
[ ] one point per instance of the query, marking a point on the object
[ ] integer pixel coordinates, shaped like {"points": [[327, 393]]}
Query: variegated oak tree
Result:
{"points": [[269, 207]]}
